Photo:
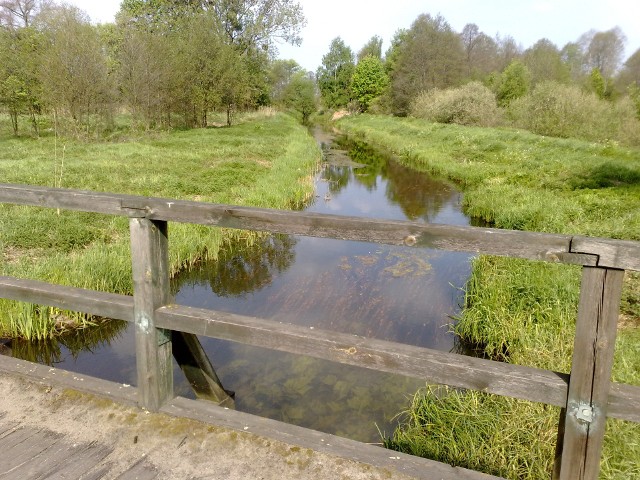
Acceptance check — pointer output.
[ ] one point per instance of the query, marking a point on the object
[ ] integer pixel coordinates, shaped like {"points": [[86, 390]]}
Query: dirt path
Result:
{"points": [[172, 448]]}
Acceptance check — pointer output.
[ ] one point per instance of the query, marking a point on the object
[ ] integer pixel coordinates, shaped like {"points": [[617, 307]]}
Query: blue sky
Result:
{"points": [[356, 21]]}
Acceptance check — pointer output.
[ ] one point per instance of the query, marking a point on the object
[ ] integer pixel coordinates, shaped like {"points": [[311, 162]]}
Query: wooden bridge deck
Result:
{"points": [[34, 452], [56, 424]]}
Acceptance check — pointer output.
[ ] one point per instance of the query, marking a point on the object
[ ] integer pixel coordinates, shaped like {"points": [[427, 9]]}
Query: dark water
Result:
{"points": [[385, 292]]}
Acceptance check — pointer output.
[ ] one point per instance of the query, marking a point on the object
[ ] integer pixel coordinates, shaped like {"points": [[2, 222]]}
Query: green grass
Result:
{"points": [[515, 310], [264, 161]]}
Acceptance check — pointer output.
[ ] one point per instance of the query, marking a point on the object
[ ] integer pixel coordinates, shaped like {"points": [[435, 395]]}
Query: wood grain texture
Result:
{"points": [[438, 367], [107, 305], [154, 359], [536, 246], [587, 402]]}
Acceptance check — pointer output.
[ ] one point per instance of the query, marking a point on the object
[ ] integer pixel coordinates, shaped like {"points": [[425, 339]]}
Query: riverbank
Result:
{"points": [[264, 160], [522, 312]]}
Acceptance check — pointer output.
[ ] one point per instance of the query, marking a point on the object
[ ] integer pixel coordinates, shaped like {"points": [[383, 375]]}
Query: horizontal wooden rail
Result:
{"points": [[505, 379], [578, 250]]}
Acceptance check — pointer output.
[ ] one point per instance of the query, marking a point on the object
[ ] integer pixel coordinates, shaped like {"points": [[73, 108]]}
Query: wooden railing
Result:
{"points": [[587, 396]]}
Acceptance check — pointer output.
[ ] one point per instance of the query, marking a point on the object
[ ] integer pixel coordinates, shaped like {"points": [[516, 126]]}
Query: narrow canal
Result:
{"points": [[384, 292]]}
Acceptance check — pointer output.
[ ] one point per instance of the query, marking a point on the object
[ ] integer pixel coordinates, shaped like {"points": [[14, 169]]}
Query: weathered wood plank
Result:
{"points": [[150, 258], [44, 374], [52, 462], [420, 468], [536, 246], [107, 305], [78, 200], [439, 367], [586, 411], [15, 437], [624, 402], [194, 363], [141, 470], [619, 254]]}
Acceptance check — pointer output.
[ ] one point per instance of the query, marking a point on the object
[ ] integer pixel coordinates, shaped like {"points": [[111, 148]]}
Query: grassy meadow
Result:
{"points": [[265, 160], [520, 311]]}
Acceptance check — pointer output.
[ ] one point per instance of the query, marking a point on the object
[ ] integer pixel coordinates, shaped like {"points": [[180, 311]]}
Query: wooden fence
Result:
{"points": [[587, 396]]}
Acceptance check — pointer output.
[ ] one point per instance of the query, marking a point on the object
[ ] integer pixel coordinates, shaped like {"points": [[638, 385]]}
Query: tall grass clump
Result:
{"points": [[471, 104], [567, 111], [478, 431]]}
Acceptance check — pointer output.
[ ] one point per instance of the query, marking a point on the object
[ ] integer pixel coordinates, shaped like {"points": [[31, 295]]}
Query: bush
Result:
{"points": [[566, 111], [471, 104]]}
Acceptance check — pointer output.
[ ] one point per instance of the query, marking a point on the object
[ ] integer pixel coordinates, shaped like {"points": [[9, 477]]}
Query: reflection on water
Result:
{"points": [[377, 291], [69, 346]]}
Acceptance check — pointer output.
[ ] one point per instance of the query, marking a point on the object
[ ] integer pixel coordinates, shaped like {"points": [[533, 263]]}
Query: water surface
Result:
{"points": [[378, 291]]}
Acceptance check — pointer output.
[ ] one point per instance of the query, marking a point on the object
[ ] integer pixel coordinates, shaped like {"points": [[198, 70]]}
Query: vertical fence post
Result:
{"points": [[150, 261], [586, 411]]}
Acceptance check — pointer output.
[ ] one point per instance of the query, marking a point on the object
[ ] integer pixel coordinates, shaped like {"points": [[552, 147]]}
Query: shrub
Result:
{"points": [[565, 111], [471, 104]]}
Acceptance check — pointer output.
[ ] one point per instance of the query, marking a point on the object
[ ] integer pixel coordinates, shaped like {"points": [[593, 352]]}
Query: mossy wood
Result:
{"points": [[587, 395]]}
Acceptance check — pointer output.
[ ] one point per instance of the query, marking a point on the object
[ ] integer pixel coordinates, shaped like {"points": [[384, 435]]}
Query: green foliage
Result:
{"points": [[280, 73], [545, 63], [567, 111], [634, 96], [369, 81], [334, 76], [372, 48], [514, 83], [300, 95], [73, 45], [597, 84], [471, 104], [20, 87], [428, 55]]}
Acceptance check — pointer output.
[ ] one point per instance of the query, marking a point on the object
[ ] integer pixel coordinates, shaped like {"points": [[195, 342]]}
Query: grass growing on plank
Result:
{"points": [[265, 161], [520, 311]]}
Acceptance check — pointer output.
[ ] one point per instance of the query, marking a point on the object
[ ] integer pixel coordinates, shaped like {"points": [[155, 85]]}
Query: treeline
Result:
{"points": [[468, 77], [166, 62]]}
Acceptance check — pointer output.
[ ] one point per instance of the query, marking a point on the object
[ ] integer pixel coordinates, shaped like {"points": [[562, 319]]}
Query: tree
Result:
{"points": [[334, 76], [20, 89], [372, 48], [369, 81], [481, 52], [281, 73], [430, 55], [515, 82], [247, 24], [630, 73], [300, 95], [257, 23], [17, 13], [508, 51], [74, 70], [597, 83], [544, 62], [604, 52], [572, 56]]}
